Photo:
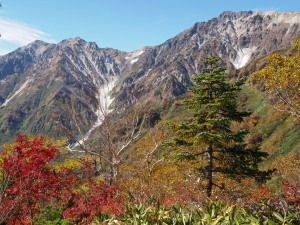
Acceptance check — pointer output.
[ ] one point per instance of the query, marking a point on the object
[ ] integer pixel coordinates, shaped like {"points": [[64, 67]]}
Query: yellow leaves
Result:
{"points": [[60, 142], [282, 73], [148, 175], [8, 146], [70, 163], [288, 167], [296, 45], [281, 78]]}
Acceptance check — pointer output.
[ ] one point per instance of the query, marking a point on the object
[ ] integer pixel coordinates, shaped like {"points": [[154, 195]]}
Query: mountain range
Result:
{"points": [[69, 87]]}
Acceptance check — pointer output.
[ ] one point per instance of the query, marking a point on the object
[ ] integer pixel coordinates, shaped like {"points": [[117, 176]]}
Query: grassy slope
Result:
{"points": [[279, 131]]}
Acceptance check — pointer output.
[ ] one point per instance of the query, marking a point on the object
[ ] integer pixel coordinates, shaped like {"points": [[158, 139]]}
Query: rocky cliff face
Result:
{"points": [[66, 87], [164, 71], [53, 89]]}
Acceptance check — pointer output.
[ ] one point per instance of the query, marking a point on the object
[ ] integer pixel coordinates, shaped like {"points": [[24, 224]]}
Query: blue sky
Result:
{"points": [[122, 24]]}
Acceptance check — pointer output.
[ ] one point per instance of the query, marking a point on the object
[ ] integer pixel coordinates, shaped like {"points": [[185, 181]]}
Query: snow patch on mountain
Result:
{"points": [[104, 98], [243, 56], [104, 101], [18, 92], [135, 54], [133, 57], [134, 60]]}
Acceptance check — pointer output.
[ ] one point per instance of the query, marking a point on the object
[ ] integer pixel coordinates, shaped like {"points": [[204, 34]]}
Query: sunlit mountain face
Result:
{"points": [[54, 89]]}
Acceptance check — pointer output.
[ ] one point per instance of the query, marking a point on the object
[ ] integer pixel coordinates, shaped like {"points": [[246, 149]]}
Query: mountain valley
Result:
{"points": [[54, 89]]}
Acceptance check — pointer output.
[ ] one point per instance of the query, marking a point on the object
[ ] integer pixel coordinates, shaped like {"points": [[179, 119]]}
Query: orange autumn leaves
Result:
{"points": [[281, 78]]}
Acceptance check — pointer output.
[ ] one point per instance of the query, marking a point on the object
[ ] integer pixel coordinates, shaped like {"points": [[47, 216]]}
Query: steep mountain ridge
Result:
{"points": [[48, 88], [66, 87], [163, 72]]}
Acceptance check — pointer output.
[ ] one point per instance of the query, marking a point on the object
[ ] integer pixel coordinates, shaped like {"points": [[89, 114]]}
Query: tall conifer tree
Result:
{"points": [[208, 137]]}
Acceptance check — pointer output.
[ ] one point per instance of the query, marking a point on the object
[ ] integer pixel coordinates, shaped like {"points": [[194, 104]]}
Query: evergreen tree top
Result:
{"points": [[208, 137]]}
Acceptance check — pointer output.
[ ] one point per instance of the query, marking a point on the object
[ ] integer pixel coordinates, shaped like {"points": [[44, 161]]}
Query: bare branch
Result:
{"points": [[132, 136]]}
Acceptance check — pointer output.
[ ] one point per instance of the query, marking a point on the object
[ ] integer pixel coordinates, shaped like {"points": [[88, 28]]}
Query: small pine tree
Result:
{"points": [[208, 137]]}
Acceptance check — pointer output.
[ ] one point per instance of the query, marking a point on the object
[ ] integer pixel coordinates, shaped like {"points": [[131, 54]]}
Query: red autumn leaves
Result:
{"points": [[28, 184]]}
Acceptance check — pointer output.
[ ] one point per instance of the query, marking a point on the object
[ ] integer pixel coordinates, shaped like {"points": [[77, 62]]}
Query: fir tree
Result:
{"points": [[208, 137]]}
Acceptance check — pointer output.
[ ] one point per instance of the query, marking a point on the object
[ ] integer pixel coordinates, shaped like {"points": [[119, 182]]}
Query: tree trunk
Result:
{"points": [[209, 171]]}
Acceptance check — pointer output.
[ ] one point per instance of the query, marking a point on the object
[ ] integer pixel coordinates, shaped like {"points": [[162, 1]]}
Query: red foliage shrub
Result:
{"points": [[97, 197], [292, 193], [28, 184]]}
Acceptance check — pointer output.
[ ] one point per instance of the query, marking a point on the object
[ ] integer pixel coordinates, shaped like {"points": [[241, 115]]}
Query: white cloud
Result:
{"points": [[14, 33]]}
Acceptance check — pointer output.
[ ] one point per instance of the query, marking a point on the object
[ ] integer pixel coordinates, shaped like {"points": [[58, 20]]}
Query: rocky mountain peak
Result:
{"points": [[34, 49], [240, 32], [233, 15], [36, 45], [71, 83], [72, 41], [284, 17]]}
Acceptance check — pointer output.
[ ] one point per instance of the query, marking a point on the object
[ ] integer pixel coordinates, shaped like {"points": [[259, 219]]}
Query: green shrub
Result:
{"points": [[51, 216]]}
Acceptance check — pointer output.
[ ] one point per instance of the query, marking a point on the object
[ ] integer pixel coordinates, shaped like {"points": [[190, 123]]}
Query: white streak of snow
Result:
{"points": [[103, 105], [132, 55], [134, 60], [110, 68], [18, 92], [243, 57], [141, 52]]}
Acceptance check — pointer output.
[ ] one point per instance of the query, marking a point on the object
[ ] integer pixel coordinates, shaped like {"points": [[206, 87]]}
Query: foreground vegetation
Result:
{"points": [[199, 171], [39, 187], [209, 213], [36, 192]]}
